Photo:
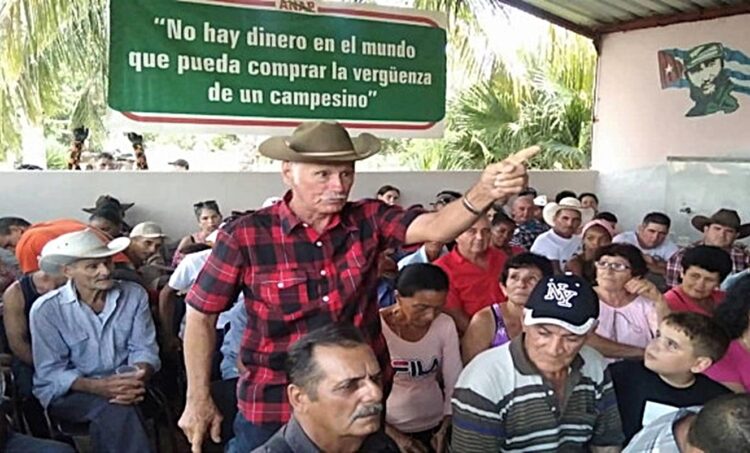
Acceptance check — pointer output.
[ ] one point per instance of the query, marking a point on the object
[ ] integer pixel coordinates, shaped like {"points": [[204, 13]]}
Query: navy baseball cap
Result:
{"points": [[567, 301]]}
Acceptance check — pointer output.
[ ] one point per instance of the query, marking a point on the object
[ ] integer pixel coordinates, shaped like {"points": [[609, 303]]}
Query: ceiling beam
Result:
{"points": [[688, 16], [546, 15]]}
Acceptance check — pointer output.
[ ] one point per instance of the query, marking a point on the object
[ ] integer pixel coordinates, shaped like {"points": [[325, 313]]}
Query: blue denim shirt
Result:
{"points": [[69, 340], [230, 348]]}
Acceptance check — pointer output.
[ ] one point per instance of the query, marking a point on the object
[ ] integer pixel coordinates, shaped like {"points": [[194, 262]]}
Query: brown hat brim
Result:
{"points": [[277, 148], [700, 222]]}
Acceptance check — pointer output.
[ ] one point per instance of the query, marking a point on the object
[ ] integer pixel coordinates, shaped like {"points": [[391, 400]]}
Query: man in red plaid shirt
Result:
{"points": [[305, 262]]}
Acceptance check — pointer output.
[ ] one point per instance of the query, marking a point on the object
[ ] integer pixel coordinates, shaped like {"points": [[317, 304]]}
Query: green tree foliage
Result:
{"points": [[550, 104], [53, 56]]}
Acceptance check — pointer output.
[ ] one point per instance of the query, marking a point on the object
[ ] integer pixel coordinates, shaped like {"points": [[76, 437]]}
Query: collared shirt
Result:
{"points": [[502, 403], [526, 233], [738, 253], [291, 438], [420, 256], [472, 287], [294, 280], [658, 436], [70, 341]]}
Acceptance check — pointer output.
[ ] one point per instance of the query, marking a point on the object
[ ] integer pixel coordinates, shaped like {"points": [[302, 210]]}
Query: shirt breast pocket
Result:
{"points": [[122, 335], [77, 341], [285, 290]]}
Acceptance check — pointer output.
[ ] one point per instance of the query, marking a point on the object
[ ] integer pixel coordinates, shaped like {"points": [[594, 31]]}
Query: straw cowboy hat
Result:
{"points": [[320, 141], [551, 209], [727, 217], [79, 245]]}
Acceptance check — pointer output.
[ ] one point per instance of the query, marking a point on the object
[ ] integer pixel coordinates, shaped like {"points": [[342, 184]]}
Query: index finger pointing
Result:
{"points": [[522, 156]]}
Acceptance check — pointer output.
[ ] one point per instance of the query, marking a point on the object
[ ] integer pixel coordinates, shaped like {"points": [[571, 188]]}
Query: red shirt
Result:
{"points": [[679, 301], [471, 287], [295, 280]]}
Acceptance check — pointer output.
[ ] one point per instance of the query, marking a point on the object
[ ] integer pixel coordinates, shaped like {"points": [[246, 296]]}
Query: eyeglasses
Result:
{"points": [[617, 267]]}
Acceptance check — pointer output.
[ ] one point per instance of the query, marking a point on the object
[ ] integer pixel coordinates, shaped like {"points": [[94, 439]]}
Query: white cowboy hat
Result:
{"points": [[320, 141], [551, 209], [79, 245]]}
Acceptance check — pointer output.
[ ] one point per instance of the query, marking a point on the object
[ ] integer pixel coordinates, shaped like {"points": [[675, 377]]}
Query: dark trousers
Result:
{"points": [[247, 436], [113, 428]]}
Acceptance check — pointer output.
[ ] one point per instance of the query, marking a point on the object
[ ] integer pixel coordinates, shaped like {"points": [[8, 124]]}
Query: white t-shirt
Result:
{"points": [[186, 274], [187, 271], [664, 251], [555, 247]]}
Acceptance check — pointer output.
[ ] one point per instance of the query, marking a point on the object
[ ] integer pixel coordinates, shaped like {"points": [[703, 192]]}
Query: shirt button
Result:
{"points": [[305, 225], [323, 273], [280, 285], [319, 244], [326, 298]]}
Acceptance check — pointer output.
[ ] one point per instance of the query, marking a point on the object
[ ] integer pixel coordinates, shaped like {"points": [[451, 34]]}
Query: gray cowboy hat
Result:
{"points": [[727, 217], [320, 141], [79, 245]]}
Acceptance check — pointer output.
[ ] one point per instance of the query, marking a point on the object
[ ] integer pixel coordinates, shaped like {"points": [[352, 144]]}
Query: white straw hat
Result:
{"points": [[551, 209], [79, 245]]}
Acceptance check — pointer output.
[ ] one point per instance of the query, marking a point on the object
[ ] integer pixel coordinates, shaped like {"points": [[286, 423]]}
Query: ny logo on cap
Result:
{"points": [[559, 292]]}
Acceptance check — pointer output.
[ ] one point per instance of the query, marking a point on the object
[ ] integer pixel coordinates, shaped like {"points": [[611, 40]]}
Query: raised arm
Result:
{"points": [[498, 181]]}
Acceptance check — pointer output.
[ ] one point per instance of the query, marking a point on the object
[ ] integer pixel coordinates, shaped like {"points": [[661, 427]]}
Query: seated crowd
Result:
{"points": [[540, 328]]}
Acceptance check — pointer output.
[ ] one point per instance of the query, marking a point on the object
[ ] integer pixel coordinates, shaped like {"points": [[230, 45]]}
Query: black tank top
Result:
{"points": [[30, 294]]}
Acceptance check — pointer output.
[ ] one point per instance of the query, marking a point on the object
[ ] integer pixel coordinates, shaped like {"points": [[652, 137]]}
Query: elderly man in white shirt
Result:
{"points": [[561, 242]]}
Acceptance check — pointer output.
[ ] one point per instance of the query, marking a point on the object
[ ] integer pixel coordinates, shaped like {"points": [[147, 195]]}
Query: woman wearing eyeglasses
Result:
{"points": [[209, 218], [630, 307]]}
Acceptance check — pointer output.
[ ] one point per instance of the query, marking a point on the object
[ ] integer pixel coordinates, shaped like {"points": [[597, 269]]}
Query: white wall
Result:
{"points": [[638, 124], [167, 198]]}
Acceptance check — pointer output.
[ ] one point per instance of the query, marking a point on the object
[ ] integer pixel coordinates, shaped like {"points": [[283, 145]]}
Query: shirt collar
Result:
{"points": [[69, 295], [297, 439], [290, 220], [525, 366]]}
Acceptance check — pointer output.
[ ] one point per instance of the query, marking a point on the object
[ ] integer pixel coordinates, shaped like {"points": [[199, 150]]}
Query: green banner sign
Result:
{"points": [[258, 66]]}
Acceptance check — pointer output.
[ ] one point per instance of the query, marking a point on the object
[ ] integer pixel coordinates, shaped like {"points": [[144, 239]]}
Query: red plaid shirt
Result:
{"points": [[295, 280]]}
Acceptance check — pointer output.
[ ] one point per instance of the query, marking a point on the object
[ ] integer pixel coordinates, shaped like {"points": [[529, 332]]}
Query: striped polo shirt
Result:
{"points": [[502, 403]]}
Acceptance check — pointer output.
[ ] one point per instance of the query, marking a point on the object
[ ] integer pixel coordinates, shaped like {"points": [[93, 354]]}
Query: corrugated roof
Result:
{"points": [[595, 17]]}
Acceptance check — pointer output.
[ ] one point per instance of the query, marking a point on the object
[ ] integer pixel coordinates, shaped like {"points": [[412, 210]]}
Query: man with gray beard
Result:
{"points": [[336, 396]]}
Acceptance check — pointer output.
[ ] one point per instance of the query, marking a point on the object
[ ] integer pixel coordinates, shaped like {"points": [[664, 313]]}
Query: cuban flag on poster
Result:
{"points": [[714, 75]]}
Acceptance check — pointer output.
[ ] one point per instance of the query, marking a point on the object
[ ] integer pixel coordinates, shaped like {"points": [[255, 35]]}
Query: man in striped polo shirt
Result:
{"points": [[545, 390]]}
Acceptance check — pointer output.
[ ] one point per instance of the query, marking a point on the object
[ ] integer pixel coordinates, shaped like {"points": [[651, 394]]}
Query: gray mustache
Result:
{"points": [[366, 411]]}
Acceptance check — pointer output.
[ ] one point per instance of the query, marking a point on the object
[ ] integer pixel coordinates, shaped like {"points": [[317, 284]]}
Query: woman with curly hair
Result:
{"points": [[733, 370]]}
